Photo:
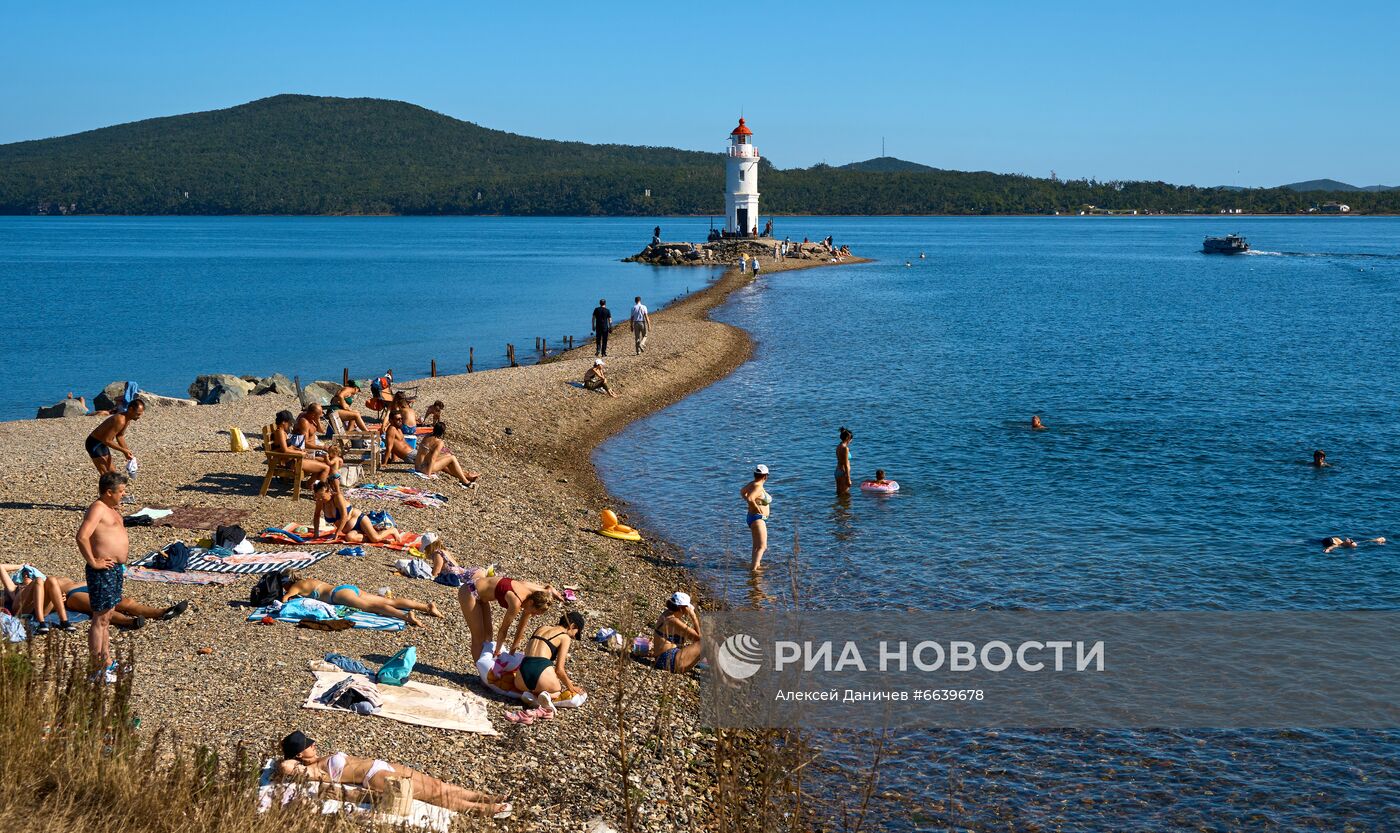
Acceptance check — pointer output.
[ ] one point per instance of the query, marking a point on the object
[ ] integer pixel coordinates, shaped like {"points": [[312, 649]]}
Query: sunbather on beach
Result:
{"points": [[285, 442], [350, 595], [306, 435], [434, 456], [110, 436], [396, 445], [344, 404], [128, 613], [594, 379], [1331, 543], [676, 644], [520, 600], [350, 523], [29, 591], [302, 761], [435, 550], [544, 671]]}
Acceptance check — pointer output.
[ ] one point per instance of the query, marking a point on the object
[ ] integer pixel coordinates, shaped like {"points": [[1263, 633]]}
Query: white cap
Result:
{"points": [[760, 469], [426, 540], [680, 599], [597, 362]]}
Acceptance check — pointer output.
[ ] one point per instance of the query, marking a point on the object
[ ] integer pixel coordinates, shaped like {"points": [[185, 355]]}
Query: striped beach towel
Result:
{"points": [[172, 577], [301, 534], [362, 619], [406, 495], [244, 565]]}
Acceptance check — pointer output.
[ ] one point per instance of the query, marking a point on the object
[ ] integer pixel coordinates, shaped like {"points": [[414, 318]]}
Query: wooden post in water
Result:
{"points": [[544, 348], [344, 377], [471, 358], [432, 370], [510, 354], [537, 344]]}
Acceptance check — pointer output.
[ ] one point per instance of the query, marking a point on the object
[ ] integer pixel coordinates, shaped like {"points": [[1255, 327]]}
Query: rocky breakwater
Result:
{"points": [[208, 389], [725, 252]]}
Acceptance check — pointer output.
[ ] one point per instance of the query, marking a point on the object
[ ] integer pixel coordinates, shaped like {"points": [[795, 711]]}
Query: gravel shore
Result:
{"points": [[213, 679]]}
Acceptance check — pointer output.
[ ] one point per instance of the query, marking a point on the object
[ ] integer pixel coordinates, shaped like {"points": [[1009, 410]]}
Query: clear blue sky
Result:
{"points": [[1208, 93]]}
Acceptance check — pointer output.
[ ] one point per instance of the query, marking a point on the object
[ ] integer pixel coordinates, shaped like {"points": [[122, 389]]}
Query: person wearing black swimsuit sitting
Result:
{"points": [[543, 674]]}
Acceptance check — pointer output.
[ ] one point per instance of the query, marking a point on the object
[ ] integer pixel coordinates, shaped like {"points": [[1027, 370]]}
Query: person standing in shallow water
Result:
{"points": [[602, 325], [758, 503], [843, 462]]}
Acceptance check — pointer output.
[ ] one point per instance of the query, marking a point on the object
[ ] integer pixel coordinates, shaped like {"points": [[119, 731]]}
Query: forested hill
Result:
{"points": [[294, 154]]}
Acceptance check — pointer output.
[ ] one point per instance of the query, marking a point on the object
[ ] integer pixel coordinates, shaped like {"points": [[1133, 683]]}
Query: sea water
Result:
{"points": [[160, 300], [1183, 395]]}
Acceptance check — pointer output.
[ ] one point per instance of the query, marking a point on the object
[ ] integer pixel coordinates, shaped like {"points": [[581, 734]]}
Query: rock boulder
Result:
{"points": [[222, 394], [65, 408], [276, 383], [110, 397], [202, 385]]}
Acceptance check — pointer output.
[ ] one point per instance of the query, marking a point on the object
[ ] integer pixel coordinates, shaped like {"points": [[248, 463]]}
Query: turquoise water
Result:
{"points": [[1183, 394], [89, 300]]}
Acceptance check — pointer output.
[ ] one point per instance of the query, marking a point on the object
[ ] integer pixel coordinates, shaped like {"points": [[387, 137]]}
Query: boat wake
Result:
{"points": [[1340, 255]]}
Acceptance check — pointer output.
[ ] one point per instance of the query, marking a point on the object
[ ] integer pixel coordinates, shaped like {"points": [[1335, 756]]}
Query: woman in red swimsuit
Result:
{"points": [[519, 599]]}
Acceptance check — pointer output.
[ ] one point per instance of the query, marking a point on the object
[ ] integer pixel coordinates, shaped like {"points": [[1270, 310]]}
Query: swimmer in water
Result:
{"points": [[1334, 542], [1036, 424], [879, 479], [1320, 459]]}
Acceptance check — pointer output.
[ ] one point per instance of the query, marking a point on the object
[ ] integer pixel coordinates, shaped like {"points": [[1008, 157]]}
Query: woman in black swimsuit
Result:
{"points": [[543, 670]]}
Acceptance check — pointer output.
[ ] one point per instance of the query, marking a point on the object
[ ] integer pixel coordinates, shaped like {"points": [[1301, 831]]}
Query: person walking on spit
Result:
{"points": [[104, 544], [743, 262], [602, 325], [641, 324], [755, 266], [759, 503], [111, 435], [843, 462]]}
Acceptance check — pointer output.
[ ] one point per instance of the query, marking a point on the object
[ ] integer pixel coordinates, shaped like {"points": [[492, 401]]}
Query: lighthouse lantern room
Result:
{"points": [[741, 184]]}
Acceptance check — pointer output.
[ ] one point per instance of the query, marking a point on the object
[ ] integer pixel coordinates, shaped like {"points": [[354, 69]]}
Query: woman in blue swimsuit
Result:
{"points": [[759, 503], [350, 523], [350, 595]]}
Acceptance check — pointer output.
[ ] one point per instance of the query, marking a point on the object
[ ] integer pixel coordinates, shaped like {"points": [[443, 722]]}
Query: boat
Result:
{"points": [[1231, 244]]}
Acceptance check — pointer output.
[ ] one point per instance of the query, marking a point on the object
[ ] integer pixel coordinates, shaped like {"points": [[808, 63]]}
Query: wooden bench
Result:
{"points": [[280, 464]]}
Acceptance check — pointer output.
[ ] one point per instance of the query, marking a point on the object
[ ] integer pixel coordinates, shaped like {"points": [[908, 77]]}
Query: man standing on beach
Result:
{"points": [[111, 436], [641, 323], [104, 544], [602, 325]]}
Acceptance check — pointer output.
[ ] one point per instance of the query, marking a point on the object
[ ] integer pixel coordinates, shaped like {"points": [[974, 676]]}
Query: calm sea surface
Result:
{"points": [[1183, 393], [88, 300]]}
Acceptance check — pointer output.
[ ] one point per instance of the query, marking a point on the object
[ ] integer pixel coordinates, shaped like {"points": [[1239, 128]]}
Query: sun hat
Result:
{"points": [[680, 599], [760, 469], [295, 744], [598, 362], [427, 539]]}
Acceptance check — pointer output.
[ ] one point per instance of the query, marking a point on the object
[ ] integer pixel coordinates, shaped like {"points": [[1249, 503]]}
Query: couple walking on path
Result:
{"points": [[602, 326]]}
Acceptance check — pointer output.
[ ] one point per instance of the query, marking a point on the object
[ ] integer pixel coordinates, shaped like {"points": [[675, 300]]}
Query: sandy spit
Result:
{"points": [[213, 679]]}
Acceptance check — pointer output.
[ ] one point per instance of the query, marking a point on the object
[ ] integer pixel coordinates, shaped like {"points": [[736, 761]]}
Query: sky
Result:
{"points": [[1239, 93]]}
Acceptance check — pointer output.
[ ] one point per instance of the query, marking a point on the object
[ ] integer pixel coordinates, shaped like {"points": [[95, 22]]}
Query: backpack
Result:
{"points": [[229, 536], [175, 558], [269, 589]]}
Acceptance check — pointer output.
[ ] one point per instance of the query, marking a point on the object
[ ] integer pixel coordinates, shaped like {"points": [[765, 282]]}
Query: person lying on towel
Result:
{"points": [[350, 595], [26, 590], [350, 523], [302, 761], [129, 614]]}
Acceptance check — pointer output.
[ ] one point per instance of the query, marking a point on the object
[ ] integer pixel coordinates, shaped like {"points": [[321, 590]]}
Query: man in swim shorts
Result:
{"points": [[111, 434], [103, 542]]}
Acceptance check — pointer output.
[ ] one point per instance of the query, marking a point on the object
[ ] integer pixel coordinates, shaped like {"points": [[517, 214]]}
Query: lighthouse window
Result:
{"points": [[741, 174]]}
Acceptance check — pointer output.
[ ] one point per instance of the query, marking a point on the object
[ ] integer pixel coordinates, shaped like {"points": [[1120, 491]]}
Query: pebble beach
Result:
{"points": [[211, 678]]}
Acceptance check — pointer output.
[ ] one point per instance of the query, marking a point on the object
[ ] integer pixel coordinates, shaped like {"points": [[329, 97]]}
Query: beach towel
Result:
{"points": [[419, 704], [246, 565], [422, 815], [362, 619], [294, 533], [406, 495], [201, 517], [172, 577], [152, 513]]}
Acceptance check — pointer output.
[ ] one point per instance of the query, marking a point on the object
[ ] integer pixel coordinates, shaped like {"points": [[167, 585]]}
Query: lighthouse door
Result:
{"points": [[743, 218]]}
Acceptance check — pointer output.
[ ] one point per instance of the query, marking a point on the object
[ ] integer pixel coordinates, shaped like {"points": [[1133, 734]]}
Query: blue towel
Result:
{"points": [[350, 664], [368, 621]]}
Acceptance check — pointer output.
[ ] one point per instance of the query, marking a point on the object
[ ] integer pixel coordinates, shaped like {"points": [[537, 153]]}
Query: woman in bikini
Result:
{"points": [[344, 404], [350, 523], [543, 674], [285, 442], [302, 761], [843, 462], [520, 600], [434, 456], [677, 647], [759, 503], [30, 591], [350, 595]]}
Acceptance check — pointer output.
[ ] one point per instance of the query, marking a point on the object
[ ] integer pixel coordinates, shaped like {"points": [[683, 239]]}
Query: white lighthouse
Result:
{"points": [[741, 183]]}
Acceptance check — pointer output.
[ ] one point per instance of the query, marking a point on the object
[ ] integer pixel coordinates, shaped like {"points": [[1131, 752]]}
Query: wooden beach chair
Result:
{"points": [[366, 453], [280, 464]]}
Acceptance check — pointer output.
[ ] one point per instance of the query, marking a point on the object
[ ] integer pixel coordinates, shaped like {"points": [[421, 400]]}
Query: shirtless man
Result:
{"points": [[103, 542], [111, 435], [595, 380]]}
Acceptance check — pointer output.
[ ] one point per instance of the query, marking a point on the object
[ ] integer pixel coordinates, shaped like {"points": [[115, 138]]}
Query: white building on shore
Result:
{"points": [[741, 183]]}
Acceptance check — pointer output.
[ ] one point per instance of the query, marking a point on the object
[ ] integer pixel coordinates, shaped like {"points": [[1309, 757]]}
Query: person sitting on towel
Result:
{"points": [[129, 614], [435, 550], [432, 415], [543, 674], [350, 524], [677, 646], [350, 595], [434, 456], [302, 761], [29, 591], [285, 442]]}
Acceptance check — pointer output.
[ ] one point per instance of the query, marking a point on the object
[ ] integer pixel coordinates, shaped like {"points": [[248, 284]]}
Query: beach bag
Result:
{"points": [[236, 440], [397, 669], [269, 589], [229, 536], [175, 558], [378, 518]]}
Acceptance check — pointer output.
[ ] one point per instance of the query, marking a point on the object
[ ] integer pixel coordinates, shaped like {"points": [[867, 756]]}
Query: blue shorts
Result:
{"points": [[96, 449], [104, 587], [667, 661]]}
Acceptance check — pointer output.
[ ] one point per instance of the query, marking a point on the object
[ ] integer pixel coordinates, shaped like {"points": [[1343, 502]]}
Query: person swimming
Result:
{"points": [[1036, 424], [880, 479], [1333, 543], [1320, 459]]}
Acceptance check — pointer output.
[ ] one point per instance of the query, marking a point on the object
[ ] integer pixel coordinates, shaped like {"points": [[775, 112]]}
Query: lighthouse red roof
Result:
{"points": [[741, 130]]}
